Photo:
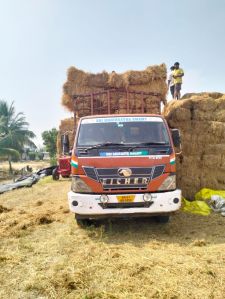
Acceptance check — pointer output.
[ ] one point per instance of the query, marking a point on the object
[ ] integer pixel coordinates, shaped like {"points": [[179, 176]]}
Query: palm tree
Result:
{"points": [[14, 133], [5, 151]]}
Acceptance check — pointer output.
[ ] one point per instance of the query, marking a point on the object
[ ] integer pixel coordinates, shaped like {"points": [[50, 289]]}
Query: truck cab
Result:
{"points": [[123, 166]]}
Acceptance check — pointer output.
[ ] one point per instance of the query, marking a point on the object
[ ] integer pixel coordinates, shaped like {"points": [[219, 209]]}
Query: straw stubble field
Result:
{"points": [[44, 254]]}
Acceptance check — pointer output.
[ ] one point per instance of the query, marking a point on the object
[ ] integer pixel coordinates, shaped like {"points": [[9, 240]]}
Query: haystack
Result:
{"points": [[66, 127], [150, 80], [201, 120]]}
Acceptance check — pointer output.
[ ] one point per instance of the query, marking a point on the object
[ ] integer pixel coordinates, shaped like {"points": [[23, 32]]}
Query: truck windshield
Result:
{"points": [[124, 131]]}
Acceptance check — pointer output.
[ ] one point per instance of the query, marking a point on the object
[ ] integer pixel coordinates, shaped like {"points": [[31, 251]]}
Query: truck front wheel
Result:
{"points": [[83, 222], [55, 174]]}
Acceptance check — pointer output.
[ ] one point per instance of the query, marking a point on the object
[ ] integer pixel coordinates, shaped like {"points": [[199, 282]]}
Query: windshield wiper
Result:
{"points": [[103, 145], [154, 143], [142, 144], [124, 145]]}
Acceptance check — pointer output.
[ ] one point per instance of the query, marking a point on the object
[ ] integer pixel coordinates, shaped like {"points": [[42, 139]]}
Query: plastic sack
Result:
{"points": [[206, 194], [196, 207], [217, 203]]}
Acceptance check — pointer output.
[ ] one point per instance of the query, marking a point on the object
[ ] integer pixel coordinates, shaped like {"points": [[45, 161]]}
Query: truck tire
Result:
{"points": [[163, 218], [66, 176], [55, 174], [83, 222]]}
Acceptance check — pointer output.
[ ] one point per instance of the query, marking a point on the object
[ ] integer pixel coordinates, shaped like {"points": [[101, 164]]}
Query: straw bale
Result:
{"points": [[211, 160], [74, 74], [121, 111], [209, 182], [222, 166], [150, 80], [146, 77], [202, 95], [215, 149], [87, 79], [116, 80], [201, 120], [157, 71], [98, 80], [137, 78], [155, 86], [204, 104], [151, 100], [220, 114], [181, 114], [66, 124], [202, 116], [67, 102], [68, 88]]}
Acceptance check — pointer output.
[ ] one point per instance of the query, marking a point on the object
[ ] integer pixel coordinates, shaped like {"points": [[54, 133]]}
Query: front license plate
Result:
{"points": [[125, 198]]}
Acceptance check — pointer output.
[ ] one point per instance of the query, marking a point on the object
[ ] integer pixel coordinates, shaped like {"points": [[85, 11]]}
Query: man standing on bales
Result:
{"points": [[178, 73], [171, 81]]}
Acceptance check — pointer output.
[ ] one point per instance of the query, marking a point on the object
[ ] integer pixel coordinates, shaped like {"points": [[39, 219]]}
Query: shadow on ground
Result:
{"points": [[182, 228]]}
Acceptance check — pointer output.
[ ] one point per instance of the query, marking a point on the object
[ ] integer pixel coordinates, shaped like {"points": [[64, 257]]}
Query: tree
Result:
{"points": [[13, 131], [5, 151], [32, 156], [49, 138]]}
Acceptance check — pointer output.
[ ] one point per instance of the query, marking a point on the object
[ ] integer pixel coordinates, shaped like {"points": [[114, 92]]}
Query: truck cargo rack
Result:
{"points": [[107, 102]]}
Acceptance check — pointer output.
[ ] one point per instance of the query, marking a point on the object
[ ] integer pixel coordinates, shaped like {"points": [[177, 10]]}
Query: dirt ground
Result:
{"points": [[44, 254]]}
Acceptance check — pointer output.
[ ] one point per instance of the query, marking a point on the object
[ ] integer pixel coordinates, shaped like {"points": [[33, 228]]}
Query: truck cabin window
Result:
{"points": [[129, 133]]}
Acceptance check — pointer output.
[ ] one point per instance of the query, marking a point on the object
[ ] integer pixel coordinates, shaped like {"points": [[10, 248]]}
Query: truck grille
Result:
{"points": [[124, 178], [125, 205]]}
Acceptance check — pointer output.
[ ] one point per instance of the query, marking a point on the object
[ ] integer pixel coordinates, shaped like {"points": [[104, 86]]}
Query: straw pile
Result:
{"points": [[66, 126], [152, 79], [52, 257], [201, 120]]}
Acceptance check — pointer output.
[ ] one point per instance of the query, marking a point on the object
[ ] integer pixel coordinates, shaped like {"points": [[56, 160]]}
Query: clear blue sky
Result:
{"points": [[40, 39]]}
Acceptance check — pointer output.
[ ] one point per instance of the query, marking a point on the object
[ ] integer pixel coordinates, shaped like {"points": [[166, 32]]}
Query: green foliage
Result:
{"points": [[5, 150], [14, 133], [40, 155], [53, 161], [15, 128], [49, 138], [32, 156]]}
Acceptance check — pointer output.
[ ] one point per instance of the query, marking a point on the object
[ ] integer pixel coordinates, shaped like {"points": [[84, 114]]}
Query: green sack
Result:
{"points": [[205, 194], [196, 207]]}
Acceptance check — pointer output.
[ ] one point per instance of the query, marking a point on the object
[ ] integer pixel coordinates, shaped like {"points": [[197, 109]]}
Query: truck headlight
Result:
{"points": [[147, 197], [104, 198], [169, 183], [78, 185]]}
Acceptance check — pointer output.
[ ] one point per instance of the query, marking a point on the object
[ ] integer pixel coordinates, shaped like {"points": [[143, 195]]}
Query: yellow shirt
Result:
{"points": [[175, 73]]}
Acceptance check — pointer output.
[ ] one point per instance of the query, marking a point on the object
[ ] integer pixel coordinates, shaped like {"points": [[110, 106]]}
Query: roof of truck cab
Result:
{"points": [[122, 115]]}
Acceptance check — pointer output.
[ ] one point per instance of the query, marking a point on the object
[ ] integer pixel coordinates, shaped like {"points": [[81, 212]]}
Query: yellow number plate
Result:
{"points": [[125, 198]]}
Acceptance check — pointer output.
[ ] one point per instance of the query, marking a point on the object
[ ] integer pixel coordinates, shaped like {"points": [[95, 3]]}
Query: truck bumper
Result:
{"points": [[90, 206]]}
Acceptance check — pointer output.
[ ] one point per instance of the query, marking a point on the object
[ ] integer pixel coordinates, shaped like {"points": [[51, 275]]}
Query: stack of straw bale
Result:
{"points": [[201, 120], [152, 79], [66, 126]]}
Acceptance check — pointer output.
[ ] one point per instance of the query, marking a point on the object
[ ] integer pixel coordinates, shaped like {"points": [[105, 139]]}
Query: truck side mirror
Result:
{"points": [[176, 137]]}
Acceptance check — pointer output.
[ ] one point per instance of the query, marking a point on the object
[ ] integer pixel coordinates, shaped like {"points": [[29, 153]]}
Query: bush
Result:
{"points": [[15, 159], [49, 138], [40, 156], [53, 161], [32, 156]]}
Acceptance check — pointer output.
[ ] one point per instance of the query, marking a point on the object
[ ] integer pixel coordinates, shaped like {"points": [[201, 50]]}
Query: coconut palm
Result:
{"points": [[5, 151], [14, 131]]}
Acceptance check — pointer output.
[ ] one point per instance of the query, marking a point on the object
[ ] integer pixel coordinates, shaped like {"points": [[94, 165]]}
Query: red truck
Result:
{"points": [[123, 165]]}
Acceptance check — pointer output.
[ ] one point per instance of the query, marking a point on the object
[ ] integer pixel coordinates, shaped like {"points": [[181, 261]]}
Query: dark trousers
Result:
{"points": [[172, 90]]}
